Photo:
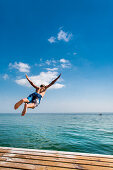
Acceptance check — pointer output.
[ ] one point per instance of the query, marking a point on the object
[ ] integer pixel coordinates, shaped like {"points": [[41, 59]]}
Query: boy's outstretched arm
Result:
{"points": [[53, 82], [36, 87]]}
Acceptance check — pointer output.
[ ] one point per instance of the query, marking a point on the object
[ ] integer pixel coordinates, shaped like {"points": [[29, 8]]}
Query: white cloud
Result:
{"points": [[22, 67], [51, 62], [5, 76], [52, 39], [42, 78], [57, 86], [57, 63], [64, 36], [74, 53], [54, 61], [22, 82], [41, 64], [51, 69], [48, 62], [62, 60], [65, 63], [54, 65]]}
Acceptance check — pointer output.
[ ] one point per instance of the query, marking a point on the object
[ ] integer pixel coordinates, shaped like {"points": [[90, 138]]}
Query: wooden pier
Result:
{"points": [[31, 159]]}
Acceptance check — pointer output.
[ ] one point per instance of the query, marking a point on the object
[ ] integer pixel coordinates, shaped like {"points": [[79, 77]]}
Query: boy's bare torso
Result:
{"points": [[42, 93]]}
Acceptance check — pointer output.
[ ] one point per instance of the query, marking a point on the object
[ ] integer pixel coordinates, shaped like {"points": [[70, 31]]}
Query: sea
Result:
{"points": [[73, 132]]}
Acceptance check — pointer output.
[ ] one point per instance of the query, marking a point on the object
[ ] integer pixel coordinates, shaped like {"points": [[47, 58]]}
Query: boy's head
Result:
{"points": [[42, 86]]}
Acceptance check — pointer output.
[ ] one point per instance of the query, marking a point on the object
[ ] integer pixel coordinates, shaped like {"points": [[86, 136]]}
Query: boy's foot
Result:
{"points": [[16, 106], [24, 110]]}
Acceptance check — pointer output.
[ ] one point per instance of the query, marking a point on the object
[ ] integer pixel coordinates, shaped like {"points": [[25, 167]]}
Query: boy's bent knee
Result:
{"points": [[25, 100], [33, 107]]}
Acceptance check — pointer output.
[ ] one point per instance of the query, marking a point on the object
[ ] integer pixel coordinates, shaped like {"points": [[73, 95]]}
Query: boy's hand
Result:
{"points": [[26, 76], [59, 75]]}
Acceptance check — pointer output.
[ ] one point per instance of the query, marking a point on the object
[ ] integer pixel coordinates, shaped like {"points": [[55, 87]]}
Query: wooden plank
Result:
{"points": [[56, 152], [59, 158], [15, 158], [38, 167], [58, 155], [34, 153], [65, 160], [75, 164], [39, 162], [19, 165], [69, 157], [38, 157], [93, 158], [91, 167], [1, 154], [29, 166], [6, 168]]}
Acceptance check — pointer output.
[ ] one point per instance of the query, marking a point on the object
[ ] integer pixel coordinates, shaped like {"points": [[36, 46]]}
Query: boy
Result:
{"points": [[33, 100]]}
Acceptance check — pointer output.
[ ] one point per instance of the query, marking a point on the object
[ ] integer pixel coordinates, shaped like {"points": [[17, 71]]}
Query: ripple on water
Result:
{"points": [[67, 132]]}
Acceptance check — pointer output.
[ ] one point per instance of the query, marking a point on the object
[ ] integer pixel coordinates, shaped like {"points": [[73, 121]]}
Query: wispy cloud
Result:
{"points": [[42, 78], [52, 39], [48, 62], [22, 67], [62, 60], [65, 63], [57, 86], [62, 35], [52, 69], [53, 65], [74, 53], [5, 76]]}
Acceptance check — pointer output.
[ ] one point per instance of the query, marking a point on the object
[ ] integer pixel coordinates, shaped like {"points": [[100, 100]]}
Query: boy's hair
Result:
{"points": [[42, 85]]}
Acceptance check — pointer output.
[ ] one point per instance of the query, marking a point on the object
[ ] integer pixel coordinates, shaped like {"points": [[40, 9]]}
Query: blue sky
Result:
{"points": [[44, 38]]}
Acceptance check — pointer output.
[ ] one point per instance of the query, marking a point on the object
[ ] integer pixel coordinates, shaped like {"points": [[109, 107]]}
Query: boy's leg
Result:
{"points": [[30, 105], [16, 106]]}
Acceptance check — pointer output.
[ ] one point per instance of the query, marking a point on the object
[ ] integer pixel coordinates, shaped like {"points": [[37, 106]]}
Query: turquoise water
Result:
{"points": [[89, 133]]}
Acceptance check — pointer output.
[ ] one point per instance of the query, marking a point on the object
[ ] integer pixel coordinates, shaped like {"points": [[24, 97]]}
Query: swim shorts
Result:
{"points": [[34, 98]]}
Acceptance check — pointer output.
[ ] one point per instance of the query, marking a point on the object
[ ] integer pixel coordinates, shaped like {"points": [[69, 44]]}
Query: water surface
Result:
{"points": [[87, 133]]}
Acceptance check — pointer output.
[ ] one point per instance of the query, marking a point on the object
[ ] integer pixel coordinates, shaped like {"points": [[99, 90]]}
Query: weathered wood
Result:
{"points": [[39, 162], [43, 157], [38, 157], [54, 152], [19, 165], [38, 167], [17, 158], [73, 164], [6, 168], [58, 155], [35, 153], [29, 166], [65, 160], [93, 158]]}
